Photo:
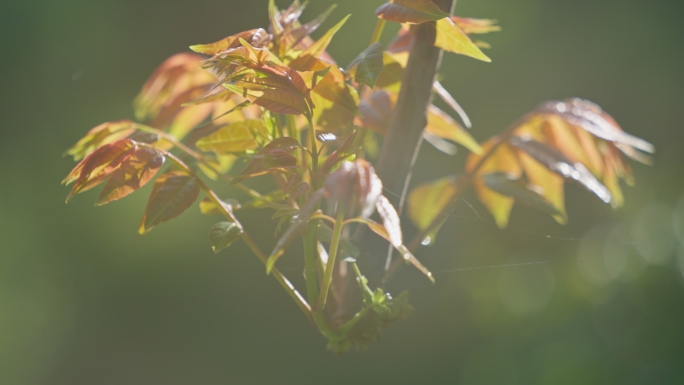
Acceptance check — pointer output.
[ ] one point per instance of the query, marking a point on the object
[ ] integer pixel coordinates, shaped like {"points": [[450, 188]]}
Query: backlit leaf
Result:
{"points": [[560, 164], [427, 201], [317, 48], [253, 36], [172, 194], [452, 39], [367, 66], [132, 174], [295, 36], [504, 159], [97, 166], [590, 117], [410, 11], [274, 158], [236, 137], [277, 100], [523, 193], [223, 234], [380, 230], [442, 125], [549, 185], [100, 135], [451, 102]]}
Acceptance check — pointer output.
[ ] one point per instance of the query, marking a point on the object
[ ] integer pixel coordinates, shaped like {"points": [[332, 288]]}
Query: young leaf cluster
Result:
{"points": [[272, 101]]}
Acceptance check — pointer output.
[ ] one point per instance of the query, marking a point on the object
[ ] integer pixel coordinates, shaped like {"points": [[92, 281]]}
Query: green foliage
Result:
{"points": [[273, 99]]}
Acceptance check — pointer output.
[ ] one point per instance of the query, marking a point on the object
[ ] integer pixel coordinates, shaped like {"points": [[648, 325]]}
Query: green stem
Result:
{"points": [[310, 261], [344, 329], [284, 282], [332, 255], [379, 27], [314, 154]]}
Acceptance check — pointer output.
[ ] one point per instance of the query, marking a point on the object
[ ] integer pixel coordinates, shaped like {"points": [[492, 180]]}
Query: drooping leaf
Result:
{"points": [[223, 234], [427, 201], [172, 194], [380, 230], [442, 125], [96, 167], [410, 11], [367, 66], [590, 117], [560, 164], [390, 220], [235, 137], [133, 173], [504, 159], [519, 190], [354, 185], [452, 39], [451, 102], [546, 183]]}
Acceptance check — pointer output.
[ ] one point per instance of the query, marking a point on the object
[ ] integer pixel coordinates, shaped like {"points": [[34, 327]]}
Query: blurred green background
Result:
{"points": [[85, 300]]}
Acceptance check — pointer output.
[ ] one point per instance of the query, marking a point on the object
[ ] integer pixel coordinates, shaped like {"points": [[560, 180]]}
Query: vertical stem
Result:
{"points": [[379, 27], [310, 261], [332, 255], [284, 282], [314, 154]]}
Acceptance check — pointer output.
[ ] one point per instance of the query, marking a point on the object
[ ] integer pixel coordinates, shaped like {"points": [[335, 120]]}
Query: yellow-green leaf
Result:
{"points": [[426, 201], [442, 125], [452, 39], [235, 137], [317, 48], [410, 11]]}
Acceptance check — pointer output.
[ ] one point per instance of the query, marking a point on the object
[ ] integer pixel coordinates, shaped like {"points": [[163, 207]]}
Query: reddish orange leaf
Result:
{"points": [[100, 135], [95, 168], [133, 173]]}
